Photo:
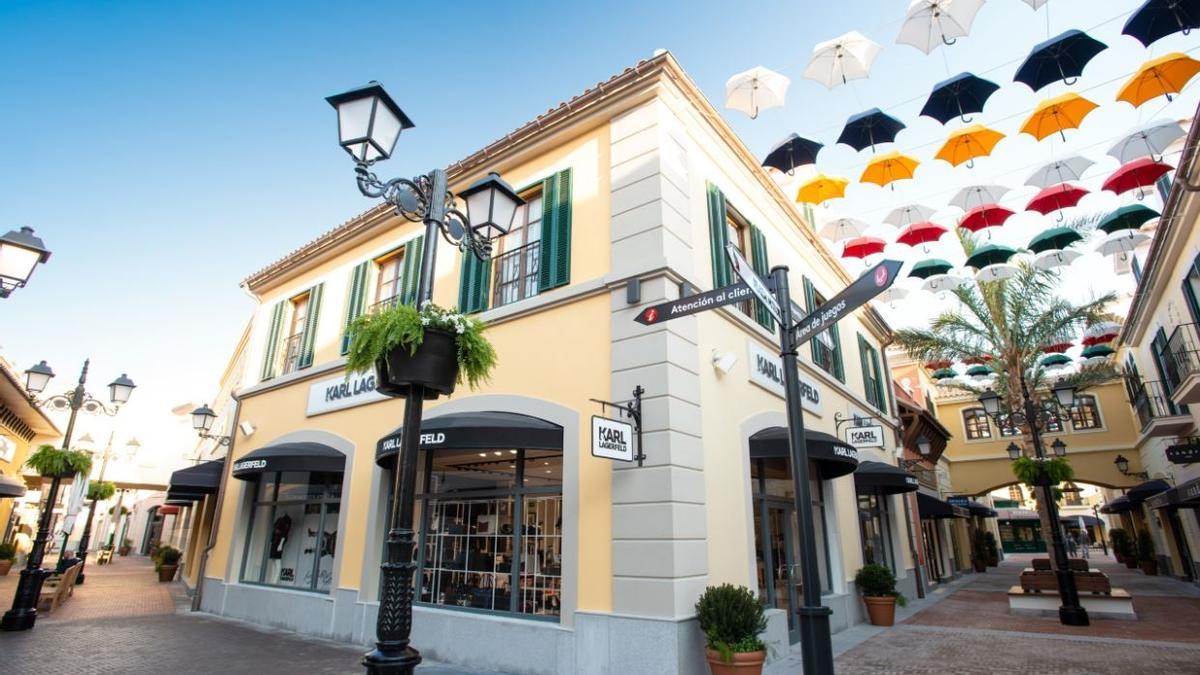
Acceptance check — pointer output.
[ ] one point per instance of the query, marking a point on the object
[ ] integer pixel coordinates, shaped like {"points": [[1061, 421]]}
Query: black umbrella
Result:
{"points": [[964, 93], [1060, 58], [1159, 18], [869, 128], [792, 152]]}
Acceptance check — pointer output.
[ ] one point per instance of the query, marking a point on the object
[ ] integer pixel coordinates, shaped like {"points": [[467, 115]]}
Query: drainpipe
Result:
{"points": [[216, 519], [912, 546]]}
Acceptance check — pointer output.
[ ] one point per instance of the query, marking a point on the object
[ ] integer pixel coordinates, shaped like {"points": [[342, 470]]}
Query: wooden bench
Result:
{"points": [[57, 588], [104, 557], [1088, 581]]}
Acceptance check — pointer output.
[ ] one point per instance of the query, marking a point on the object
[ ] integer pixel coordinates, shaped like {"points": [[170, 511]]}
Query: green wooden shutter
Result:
{"points": [[357, 301], [718, 238], [411, 274], [758, 260], [309, 339], [839, 369], [555, 261], [810, 302], [866, 373], [269, 354], [474, 283]]}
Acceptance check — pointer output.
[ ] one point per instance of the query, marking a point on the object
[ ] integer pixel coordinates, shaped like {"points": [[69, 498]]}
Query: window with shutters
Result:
{"points": [[826, 346], [515, 269], [975, 424], [294, 342], [737, 233], [872, 375], [389, 289]]}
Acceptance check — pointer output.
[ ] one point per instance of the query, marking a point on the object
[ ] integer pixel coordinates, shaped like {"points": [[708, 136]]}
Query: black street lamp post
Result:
{"points": [[23, 614], [369, 124], [1071, 613]]}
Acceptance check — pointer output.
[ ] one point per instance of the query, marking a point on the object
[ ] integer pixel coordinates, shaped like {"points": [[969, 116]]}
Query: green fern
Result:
{"points": [[101, 490], [1027, 469], [49, 461]]}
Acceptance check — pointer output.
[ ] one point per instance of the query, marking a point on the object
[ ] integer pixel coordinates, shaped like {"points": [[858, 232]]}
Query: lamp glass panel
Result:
{"points": [[479, 207], [17, 262], [1065, 396], [990, 402], [504, 210], [36, 382], [354, 119], [119, 393], [386, 130]]}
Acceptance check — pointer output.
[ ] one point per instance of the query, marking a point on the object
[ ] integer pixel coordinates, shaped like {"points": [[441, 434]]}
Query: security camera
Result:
{"points": [[724, 362]]}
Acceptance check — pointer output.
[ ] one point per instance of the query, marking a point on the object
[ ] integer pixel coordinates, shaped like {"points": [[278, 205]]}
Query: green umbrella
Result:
{"points": [[1097, 351], [1054, 239], [930, 267], [1054, 360], [991, 254], [1127, 218], [979, 371], [944, 374]]}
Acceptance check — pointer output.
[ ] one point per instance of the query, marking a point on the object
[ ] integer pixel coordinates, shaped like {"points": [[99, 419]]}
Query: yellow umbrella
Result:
{"points": [[822, 189], [1159, 77], [1056, 114], [889, 167], [968, 143]]}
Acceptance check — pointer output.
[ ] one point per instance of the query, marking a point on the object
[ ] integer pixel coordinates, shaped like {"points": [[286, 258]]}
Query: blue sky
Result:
{"points": [[164, 151]]}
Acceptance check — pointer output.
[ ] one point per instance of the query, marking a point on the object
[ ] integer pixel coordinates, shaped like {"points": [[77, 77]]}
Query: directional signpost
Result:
{"points": [[749, 277], [873, 282]]}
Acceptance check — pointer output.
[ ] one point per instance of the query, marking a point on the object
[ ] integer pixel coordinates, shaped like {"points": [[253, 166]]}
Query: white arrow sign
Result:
{"points": [[755, 282]]}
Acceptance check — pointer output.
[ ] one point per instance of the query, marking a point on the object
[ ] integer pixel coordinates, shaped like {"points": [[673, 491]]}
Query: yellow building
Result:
{"points": [[527, 539], [23, 427]]}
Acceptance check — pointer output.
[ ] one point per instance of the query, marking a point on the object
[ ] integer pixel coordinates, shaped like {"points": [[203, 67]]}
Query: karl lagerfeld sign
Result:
{"points": [[337, 393], [766, 370], [612, 439], [865, 437]]}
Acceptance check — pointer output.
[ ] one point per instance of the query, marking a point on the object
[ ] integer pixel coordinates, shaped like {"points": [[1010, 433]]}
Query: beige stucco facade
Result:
{"points": [[23, 427]]}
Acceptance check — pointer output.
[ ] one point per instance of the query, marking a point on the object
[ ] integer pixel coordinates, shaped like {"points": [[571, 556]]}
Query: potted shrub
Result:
{"points": [[1128, 548], [126, 547], [1146, 558], [979, 552], [1116, 538], [166, 562], [878, 587], [51, 462], [993, 551], [8, 553], [731, 618], [433, 347]]}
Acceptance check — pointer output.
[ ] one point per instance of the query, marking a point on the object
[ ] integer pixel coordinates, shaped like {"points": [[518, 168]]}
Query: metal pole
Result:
{"points": [[1100, 530], [87, 528], [23, 614], [813, 618], [1071, 613]]}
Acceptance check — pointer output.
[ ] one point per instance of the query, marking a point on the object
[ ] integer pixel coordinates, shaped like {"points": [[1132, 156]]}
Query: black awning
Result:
{"points": [[11, 487], [833, 457], [973, 507], [183, 496], [1119, 505], [932, 507], [289, 457], [1186, 496], [475, 431], [202, 479], [884, 478], [1145, 490]]}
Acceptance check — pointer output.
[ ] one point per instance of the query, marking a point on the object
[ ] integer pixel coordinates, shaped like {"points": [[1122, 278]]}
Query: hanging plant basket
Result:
{"points": [[433, 365]]}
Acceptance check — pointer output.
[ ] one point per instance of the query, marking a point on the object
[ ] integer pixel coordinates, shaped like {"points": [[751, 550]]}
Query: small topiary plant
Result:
{"points": [[878, 581], [1145, 547], [8, 551], [731, 618]]}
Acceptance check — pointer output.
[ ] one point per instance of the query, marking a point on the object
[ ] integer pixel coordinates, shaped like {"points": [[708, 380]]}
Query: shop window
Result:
{"points": [[975, 423], [293, 534], [772, 487], [515, 270], [875, 527], [1086, 413]]}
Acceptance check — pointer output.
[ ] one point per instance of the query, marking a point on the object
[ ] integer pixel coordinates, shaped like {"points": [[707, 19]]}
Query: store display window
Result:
{"points": [[293, 534]]}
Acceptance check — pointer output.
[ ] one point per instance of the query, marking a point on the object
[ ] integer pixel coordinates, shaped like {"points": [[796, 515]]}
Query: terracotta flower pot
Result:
{"points": [[881, 610], [434, 365], [123, 551], [1131, 563], [167, 572], [744, 663], [979, 565], [5, 566], [1149, 567]]}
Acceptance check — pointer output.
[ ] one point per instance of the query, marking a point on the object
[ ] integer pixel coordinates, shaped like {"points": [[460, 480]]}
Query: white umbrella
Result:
{"points": [[844, 58], [1059, 171], [1152, 140], [930, 23], [1048, 260], [893, 294], [843, 228], [943, 282], [1122, 242], [978, 195], [1102, 328], [756, 90], [908, 214], [74, 505], [996, 272], [1036, 4]]}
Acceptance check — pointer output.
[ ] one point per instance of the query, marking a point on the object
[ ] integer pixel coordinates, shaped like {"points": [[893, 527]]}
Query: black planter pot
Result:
{"points": [[434, 366]]}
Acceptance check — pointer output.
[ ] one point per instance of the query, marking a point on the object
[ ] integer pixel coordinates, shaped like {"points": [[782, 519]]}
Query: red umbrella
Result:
{"points": [[920, 233], [1136, 174], [1056, 197], [862, 247], [984, 216]]}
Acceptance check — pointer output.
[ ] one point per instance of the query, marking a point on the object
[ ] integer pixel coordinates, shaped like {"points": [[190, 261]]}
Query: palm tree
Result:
{"points": [[1008, 323]]}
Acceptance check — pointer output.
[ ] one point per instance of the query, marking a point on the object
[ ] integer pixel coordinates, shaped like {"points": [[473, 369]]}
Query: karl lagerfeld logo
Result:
{"points": [[608, 438], [355, 387], [247, 464], [438, 438], [773, 371], [843, 451]]}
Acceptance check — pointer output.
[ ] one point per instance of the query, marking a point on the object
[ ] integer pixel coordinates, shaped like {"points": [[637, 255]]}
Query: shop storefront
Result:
{"points": [[1020, 531], [875, 484], [936, 519], [1179, 511]]}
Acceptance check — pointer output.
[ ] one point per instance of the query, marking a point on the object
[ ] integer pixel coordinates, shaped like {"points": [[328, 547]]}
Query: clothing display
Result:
{"points": [[279, 535]]}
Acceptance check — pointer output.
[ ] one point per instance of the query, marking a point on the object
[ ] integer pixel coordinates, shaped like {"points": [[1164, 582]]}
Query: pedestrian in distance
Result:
{"points": [[1085, 543]]}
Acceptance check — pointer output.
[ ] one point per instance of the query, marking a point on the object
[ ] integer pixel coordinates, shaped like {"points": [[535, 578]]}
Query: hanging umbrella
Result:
{"points": [[843, 228], [1122, 243], [958, 96], [930, 23], [944, 374], [920, 233], [821, 189], [990, 254], [1159, 18], [755, 90], [1035, 4], [997, 272], [985, 216], [968, 143], [792, 152], [844, 58], [979, 194], [929, 267], [1097, 351], [1048, 260], [862, 247], [1163, 76], [1137, 174], [1054, 239], [888, 167], [1055, 361], [893, 295], [1127, 218], [1056, 198], [980, 371], [1059, 58], [1057, 114], [943, 282], [868, 128], [1105, 331], [909, 213], [1059, 171], [1153, 140]]}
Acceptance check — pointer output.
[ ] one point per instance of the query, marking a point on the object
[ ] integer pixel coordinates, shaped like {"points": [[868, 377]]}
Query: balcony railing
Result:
{"points": [[291, 353], [515, 274], [1183, 358], [384, 304], [1151, 401]]}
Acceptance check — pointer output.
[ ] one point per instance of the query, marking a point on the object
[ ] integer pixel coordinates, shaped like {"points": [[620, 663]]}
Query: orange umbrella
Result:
{"points": [[1056, 114], [889, 167], [968, 143], [1163, 76], [822, 189]]}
